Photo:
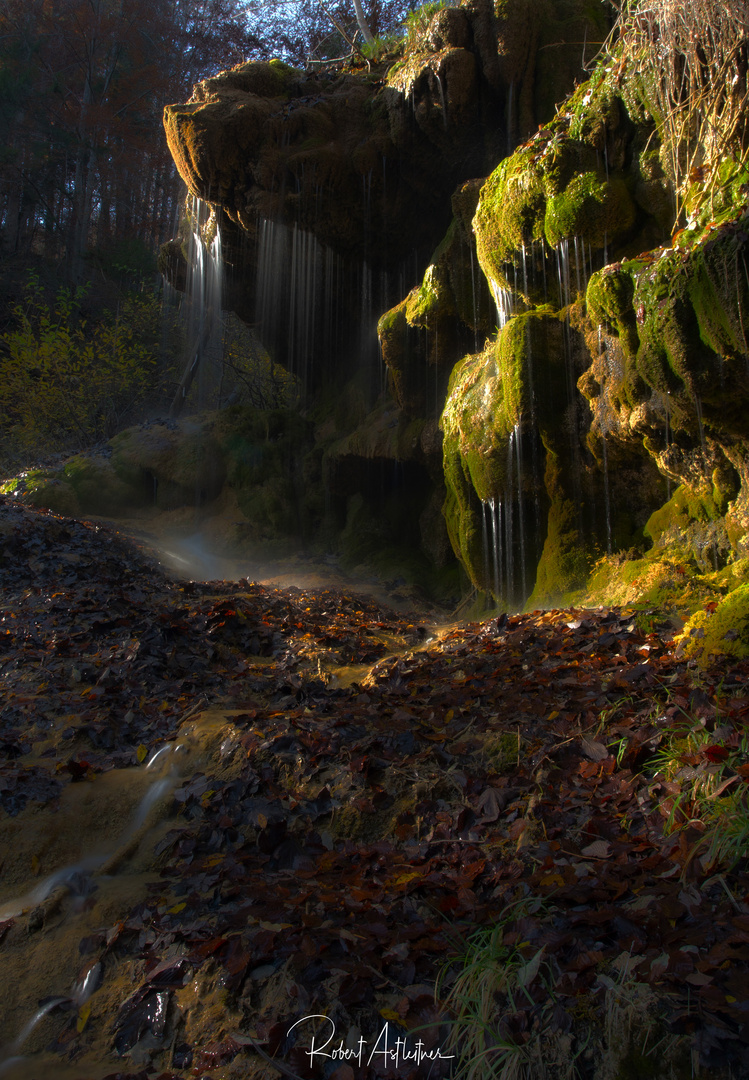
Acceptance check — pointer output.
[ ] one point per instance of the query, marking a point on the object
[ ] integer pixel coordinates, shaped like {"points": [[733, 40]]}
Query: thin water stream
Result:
{"points": [[70, 875]]}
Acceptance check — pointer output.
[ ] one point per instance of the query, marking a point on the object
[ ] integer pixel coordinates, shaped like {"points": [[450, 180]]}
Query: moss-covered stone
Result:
{"points": [[500, 404], [263, 454], [180, 463], [98, 488], [722, 629], [566, 558], [590, 207], [609, 298], [48, 490], [423, 336]]}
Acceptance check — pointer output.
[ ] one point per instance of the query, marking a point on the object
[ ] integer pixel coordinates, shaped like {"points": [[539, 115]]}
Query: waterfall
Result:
{"points": [[565, 300], [509, 119], [293, 271], [703, 445], [205, 288], [308, 298], [510, 559], [503, 298], [667, 412], [521, 524], [442, 99], [606, 493], [203, 305], [485, 539], [494, 511], [604, 426]]}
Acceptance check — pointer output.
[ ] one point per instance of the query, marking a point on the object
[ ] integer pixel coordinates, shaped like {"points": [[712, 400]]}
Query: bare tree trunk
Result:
{"points": [[363, 24]]}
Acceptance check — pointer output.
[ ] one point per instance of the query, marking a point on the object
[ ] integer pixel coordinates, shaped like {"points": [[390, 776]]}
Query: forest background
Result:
{"points": [[89, 192]]}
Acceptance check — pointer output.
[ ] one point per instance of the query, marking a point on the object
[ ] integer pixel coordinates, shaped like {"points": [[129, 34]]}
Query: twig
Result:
{"points": [[344, 35]]}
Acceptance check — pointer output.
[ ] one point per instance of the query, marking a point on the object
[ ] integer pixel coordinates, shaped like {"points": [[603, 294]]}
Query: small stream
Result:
{"points": [[69, 890]]}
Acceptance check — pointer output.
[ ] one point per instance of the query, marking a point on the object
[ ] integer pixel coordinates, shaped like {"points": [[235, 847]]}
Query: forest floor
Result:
{"points": [[361, 825]]}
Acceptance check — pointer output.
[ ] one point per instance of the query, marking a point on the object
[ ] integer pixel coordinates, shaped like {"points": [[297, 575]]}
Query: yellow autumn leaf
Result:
{"points": [[177, 908], [83, 1014], [390, 1014], [408, 876], [141, 752]]}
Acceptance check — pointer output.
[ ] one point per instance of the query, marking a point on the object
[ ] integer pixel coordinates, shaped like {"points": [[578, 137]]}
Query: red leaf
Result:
{"points": [[716, 753]]}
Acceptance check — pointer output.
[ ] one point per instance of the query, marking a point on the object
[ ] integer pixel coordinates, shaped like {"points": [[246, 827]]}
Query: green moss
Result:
{"points": [[597, 111], [692, 307], [99, 490], [491, 398], [597, 210], [503, 750], [48, 490], [667, 579], [432, 300], [566, 560], [684, 507], [678, 574], [510, 212], [266, 79], [720, 630], [609, 298]]}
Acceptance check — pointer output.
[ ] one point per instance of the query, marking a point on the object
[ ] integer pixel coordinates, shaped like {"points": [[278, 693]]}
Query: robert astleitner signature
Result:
{"points": [[388, 1051]]}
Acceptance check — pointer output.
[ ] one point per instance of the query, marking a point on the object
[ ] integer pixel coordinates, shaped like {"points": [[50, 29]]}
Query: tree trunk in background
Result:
{"points": [[363, 24]]}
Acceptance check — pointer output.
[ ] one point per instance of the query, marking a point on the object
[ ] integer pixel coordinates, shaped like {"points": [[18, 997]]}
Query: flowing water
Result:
{"points": [[504, 300], [100, 850], [308, 298], [202, 303]]}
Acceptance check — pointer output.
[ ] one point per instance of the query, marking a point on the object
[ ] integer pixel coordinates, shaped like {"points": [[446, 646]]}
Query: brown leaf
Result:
{"points": [[596, 751], [599, 849]]}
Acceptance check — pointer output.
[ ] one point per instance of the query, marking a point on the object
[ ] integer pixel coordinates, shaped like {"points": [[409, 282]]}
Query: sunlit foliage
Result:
{"points": [[67, 382]]}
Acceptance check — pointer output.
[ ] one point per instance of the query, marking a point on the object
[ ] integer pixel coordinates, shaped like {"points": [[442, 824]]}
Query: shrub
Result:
{"points": [[67, 382]]}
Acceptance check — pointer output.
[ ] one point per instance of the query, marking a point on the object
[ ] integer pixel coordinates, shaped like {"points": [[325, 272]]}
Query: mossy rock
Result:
{"points": [[432, 301], [610, 301], [182, 464], [263, 454], [595, 209], [566, 558], [47, 490], [720, 630], [510, 213], [270, 509], [666, 579], [684, 507], [272, 78], [98, 488], [495, 399]]}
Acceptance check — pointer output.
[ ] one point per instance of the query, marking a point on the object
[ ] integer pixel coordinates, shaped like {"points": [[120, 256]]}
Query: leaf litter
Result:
{"points": [[325, 847]]}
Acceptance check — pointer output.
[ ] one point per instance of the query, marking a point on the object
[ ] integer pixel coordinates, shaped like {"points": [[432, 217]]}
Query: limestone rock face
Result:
{"points": [[641, 387], [367, 161]]}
